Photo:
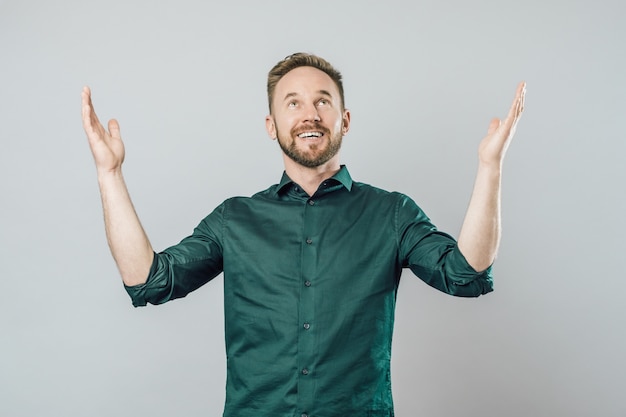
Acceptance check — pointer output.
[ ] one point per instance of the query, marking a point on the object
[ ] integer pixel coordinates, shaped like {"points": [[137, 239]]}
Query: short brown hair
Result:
{"points": [[301, 59]]}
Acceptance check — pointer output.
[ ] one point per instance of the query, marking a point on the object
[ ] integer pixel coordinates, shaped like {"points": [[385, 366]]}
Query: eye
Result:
{"points": [[323, 102], [292, 104]]}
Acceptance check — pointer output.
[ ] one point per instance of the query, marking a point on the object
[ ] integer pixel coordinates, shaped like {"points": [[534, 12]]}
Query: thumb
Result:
{"points": [[495, 124], [114, 129]]}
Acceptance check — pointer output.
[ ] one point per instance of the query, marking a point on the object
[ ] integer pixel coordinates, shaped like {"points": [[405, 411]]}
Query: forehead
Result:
{"points": [[305, 80]]}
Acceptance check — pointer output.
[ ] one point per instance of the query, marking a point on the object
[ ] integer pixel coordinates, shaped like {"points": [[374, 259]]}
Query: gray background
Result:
{"points": [[186, 79]]}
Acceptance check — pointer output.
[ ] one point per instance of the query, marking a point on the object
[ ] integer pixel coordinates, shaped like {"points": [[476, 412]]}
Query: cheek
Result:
{"points": [[333, 120], [339, 125], [285, 124]]}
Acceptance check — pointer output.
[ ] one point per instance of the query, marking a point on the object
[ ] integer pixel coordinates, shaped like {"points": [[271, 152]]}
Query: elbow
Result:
{"points": [[480, 266], [137, 273], [133, 281]]}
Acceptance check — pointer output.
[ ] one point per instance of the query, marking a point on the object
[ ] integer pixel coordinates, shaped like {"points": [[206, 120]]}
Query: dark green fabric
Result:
{"points": [[309, 292]]}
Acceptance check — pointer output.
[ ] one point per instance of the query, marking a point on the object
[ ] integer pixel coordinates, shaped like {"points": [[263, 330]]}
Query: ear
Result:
{"points": [[270, 126], [346, 121]]}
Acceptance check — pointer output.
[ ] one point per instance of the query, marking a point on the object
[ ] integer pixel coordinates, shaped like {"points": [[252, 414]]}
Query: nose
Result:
{"points": [[311, 114]]}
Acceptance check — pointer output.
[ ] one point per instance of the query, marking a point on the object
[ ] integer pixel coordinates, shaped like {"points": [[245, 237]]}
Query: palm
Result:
{"points": [[106, 146], [493, 147]]}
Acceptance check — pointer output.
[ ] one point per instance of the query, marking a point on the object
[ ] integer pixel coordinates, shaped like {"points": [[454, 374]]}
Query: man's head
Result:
{"points": [[301, 59], [307, 114]]}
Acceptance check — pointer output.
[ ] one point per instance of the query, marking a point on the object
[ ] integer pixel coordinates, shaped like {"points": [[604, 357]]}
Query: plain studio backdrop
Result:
{"points": [[186, 80]]}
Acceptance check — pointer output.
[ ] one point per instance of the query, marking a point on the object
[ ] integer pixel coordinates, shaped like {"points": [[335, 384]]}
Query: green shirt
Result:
{"points": [[309, 292]]}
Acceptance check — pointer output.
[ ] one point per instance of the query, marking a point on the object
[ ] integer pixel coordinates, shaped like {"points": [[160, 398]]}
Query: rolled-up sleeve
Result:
{"points": [[434, 256], [185, 267]]}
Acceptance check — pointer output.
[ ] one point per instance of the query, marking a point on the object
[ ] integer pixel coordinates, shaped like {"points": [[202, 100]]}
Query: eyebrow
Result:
{"points": [[294, 94]]}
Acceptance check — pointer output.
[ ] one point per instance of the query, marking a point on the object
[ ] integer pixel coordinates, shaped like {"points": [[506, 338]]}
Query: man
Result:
{"points": [[311, 265]]}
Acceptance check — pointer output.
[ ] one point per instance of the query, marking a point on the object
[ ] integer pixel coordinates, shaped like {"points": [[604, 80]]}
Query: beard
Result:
{"points": [[317, 154]]}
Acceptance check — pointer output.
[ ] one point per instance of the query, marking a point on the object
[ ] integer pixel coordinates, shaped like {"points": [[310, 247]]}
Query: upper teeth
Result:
{"points": [[310, 134]]}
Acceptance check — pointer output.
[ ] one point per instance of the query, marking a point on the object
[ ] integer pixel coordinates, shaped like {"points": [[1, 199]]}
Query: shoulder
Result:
{"points": [[372, 191], [400, 205], [258, 199]]}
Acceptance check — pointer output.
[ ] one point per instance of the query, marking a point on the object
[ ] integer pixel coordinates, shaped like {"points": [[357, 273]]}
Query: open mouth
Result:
{"points": [[310, 135]]}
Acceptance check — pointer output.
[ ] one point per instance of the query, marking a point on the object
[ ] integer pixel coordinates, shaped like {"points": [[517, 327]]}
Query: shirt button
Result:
{"points": [[309, 241], [306, 326], [305, 371], [311, 203], [307, 283]]}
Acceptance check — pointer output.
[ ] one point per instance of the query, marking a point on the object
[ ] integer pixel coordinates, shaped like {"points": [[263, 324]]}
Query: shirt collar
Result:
{"points": [[342, 176]]}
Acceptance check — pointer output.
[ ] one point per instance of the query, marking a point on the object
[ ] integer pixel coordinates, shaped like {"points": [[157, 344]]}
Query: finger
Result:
{"points": [[91, 123], [523, 97], [517, 106], [114, 129], [515, 113], [85, 95], [494, 125], [86, 107]]}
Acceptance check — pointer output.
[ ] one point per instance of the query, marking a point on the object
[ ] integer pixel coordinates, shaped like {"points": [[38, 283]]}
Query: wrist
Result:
{"points": [[110, 175], [493, 168]]}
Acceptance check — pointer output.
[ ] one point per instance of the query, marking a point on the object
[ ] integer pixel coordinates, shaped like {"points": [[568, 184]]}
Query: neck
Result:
{"points": [[311, 178]]}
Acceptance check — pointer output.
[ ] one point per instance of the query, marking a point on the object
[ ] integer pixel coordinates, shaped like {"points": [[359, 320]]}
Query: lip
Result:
{"points": [[314, 134], [311, 128]]}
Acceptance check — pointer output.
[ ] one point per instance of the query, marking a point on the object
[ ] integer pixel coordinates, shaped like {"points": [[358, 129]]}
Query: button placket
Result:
{"points": [[306, 316]]}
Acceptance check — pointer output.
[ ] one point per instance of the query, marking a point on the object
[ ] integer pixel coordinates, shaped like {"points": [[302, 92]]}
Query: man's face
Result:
{"points": [[308, 117]]}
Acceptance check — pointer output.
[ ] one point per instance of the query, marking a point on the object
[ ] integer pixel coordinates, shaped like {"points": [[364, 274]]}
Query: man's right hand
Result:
{"points": [[129, 244], [106, 146]]}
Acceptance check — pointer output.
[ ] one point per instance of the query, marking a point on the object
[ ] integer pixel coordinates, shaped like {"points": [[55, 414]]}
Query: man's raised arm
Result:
{"points": [[129, 244], [480, 234]]}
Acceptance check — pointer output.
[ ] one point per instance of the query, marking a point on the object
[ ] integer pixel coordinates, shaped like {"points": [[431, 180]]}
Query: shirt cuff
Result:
{"points": [[137, 293]]}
